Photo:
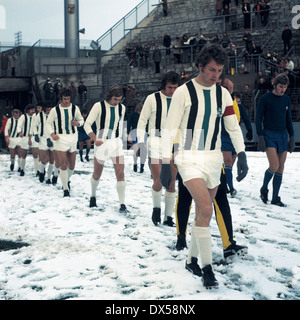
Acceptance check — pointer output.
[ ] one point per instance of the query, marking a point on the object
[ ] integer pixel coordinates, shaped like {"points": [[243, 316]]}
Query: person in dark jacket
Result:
{"points": [[286, 37], [275, 132]]}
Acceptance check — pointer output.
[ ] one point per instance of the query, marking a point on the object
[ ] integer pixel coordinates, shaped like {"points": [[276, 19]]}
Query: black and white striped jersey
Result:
{"points": [[62, 117], [109, 120], [24, 124], [195, 112], [154, 113], [11, 128]]}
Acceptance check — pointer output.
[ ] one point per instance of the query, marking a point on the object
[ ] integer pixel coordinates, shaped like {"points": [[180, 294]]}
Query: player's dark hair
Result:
{"points": [[169, 77], [65, 92], [114, 91], [211, 52], [281, 78]]}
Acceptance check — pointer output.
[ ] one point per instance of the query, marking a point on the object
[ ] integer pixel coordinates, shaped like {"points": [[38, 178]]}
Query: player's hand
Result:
{"points": [[291, 144], [242, 167]]}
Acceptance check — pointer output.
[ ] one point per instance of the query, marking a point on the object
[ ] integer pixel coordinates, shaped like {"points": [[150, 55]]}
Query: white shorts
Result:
{"points": [[13, 142], [206, 165], [34, 143], [24, 143], [154, 147], [109, 149], [43, 144], [66, 143]]}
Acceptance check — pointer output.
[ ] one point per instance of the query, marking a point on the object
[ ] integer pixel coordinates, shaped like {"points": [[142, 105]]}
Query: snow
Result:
{"points": [[80, 253]]}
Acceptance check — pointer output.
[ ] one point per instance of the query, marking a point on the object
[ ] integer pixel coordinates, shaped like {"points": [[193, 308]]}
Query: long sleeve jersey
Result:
{"points": [[62, 118], [154, 113], [11, 128], [24, 124], [109, 120], [195, 111], [40, 125], [274, 113]]}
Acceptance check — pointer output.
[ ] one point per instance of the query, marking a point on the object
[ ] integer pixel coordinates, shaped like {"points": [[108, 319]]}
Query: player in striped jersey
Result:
{"points": [[12, 138], [154, 112], [67, 116], [24, 129], [109, 117], [34, 144], [45, 143], [197, 113]]}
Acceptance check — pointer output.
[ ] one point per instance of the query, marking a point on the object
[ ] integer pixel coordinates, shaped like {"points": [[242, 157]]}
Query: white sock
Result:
{"points": [[70, 173], [23, 162], [55, 171], [169, 204], [64, 179], [156, 198], [121, 191], [193, 247], [36, 164], [41, 167], [94, 185], [50, 169], [203, 239]]}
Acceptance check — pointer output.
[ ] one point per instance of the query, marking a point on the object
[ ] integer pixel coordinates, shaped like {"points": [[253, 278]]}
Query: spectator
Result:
{"points": [[4, 64], [165, 7], [52, 97], [232, 54], [82, 92], [286, 37], [226, 13], [12, 63], [185, 48], [131, 54], [282, 63], [157, 58], [215, 39], [264, 13], [202, 42], [140, 55], [247, 37], [129, 102], [246, 12], [167, 43], [289, 64], [3, 144], [46, 88], [225, 41], [263, 85], [233, 17], [183, 77], [219, 7], [275, 58], [57, 86], [247, 100], [177, 50], [146, 55], [257, 9], [255, 52], [73, 92], [268, 55], [257, 79]]}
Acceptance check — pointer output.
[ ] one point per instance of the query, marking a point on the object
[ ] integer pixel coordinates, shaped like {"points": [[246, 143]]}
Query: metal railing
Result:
{"points": [[119, 30]]}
